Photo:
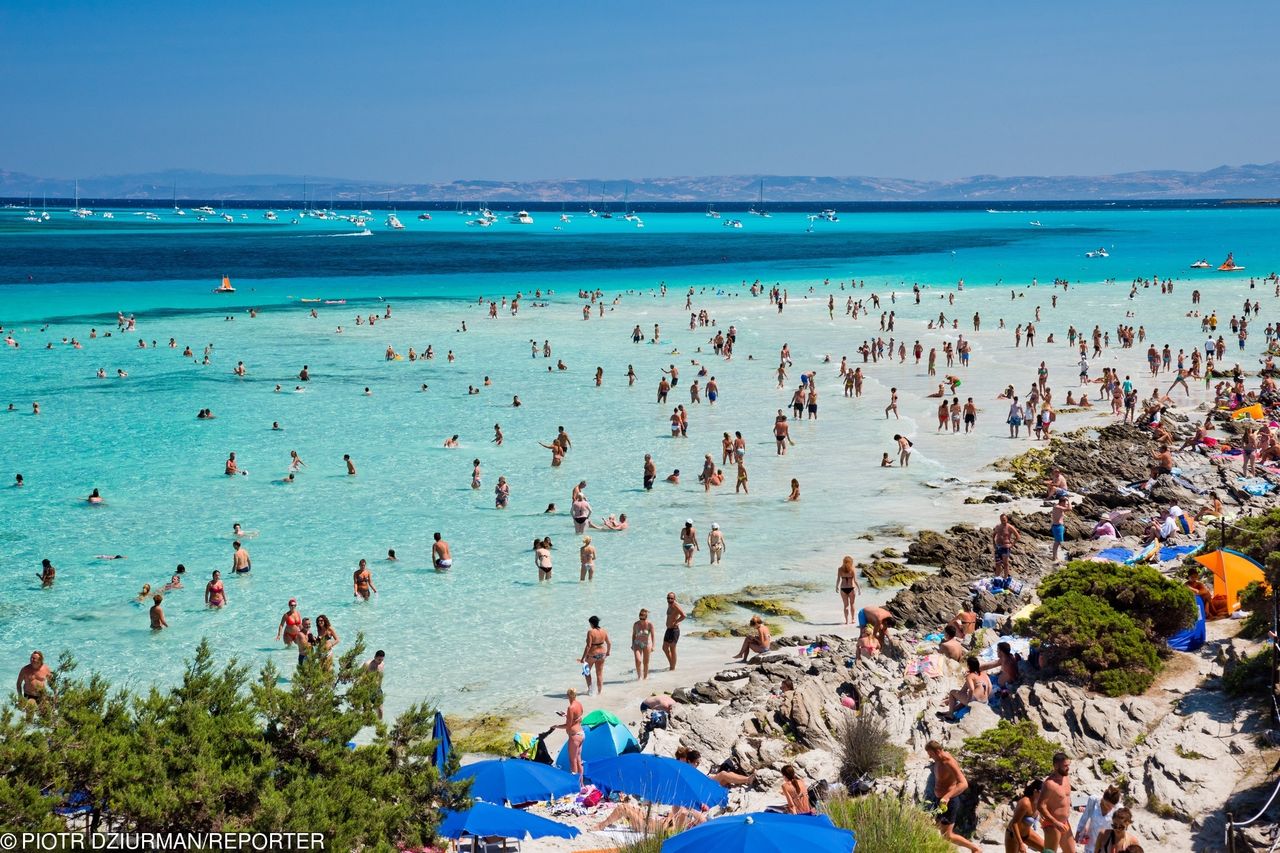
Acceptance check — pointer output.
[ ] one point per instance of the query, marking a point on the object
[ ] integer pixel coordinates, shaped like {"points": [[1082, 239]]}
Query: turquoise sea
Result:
{"points": [[486, 632]]}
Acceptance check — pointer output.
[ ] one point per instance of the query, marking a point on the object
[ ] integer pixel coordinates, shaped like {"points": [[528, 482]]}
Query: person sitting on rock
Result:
{"points": [[757, 642], [868, 645], [977, 688], [951, 647]]}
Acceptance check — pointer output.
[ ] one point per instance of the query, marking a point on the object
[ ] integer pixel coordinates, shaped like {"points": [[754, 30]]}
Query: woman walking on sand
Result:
{"points": [[847, 586], [642, 644], [598, 647]]}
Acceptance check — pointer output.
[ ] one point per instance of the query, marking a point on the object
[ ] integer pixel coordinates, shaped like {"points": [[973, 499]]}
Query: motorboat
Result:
{"points": [[638, 221], [227, 217], [564, 217], [108, 215], [712, 213], [1097, 253], [521, 217], [151, 217], [424, 217], [591, 211], [480, 222], [32, 218], [225, 287], [1230, 265], [1202, 264], [486, 213], [1036, 223], [394, 222], [270, 216], [733, 223], [829, 215], [207, 210]]}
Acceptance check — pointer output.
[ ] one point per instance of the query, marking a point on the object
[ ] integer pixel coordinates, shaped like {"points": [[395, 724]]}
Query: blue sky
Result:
{"points": [[435, 91]]}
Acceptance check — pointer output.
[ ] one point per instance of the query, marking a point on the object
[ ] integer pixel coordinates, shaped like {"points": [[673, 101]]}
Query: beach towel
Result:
{"points": [[1177, 552], [925, 667], [1255, 486], [1114, 555], [1188, 485], [1019, 646]]}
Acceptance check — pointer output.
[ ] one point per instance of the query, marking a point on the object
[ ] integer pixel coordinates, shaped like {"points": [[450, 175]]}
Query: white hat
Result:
{"points": [[688, 521], [715, 526]]}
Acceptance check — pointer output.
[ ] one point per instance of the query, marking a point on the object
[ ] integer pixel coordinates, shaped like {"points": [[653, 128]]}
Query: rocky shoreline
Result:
{"points": [[1181, 752]]}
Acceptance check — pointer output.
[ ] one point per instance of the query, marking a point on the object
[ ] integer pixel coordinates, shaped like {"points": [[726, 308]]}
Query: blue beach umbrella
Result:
{"points": [[514, 780], [605, 740], [444, 743], [763, 832], [487, 819], [657, 780]]}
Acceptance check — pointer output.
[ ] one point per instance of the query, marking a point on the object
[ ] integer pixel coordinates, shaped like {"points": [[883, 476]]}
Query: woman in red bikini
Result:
{"points": [[290, 623]]}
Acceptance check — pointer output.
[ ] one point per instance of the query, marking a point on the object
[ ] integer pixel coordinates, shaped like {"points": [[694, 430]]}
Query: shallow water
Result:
{"points": [[487, 632]]}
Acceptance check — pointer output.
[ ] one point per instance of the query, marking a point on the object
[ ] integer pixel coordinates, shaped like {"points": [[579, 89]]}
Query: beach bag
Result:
{"points": [[591, 799], [657, 720]]}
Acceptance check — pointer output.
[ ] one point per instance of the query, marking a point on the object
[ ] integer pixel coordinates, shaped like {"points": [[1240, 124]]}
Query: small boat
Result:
{"points": [[108, 215], [32, 218], [830, 215], [335, 302], [564, 217], [1036, 223], [152, 217], [521, 217], [732, 223], [1097, 253], [711, 213], [591, 211], [227, 217], [270, 216], [1230, 265], [424, 217], [305, 299], [207, 210], [394, 222], [226, 286], [1202, 264], [480, 223]]}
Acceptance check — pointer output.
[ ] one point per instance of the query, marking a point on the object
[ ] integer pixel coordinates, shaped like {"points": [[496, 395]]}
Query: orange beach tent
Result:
{"points": [[1232, 572]]}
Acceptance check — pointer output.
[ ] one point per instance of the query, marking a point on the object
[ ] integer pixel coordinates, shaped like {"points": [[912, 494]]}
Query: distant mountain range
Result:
{"points": [[1248, 181]]}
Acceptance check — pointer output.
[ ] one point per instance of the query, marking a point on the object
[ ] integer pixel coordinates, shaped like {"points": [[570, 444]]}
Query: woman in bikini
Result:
{"points": [[847, 586], [1116, 839], [757, 642], [642, 644], [290, 623], [587, 558], [542, 559], [1020, 835], [214, 593], [327, 638], [594, 653], [572, 726]]}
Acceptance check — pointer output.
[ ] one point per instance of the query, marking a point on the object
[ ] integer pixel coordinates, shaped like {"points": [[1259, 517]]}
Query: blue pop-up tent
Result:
{"points": [[1192, 638]]}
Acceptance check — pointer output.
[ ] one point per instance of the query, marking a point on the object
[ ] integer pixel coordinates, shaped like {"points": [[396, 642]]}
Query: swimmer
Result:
{"points": [[452, 441], [95, 498], [240, 563], [674, 477], [441, 555], [551, 508], [475, 473], [47, 574], [175, 582], [351, 466], [110, 557], [146, 590], [275, 426], [391, 555], [237, 532], [515, 402], [18, 482], [158, 622]]}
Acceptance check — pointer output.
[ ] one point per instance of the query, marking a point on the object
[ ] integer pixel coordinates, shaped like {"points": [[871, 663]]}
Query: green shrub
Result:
{"points": [[1252, 674], [863, 749], [1000, 761], [1256, 598], [1159, 605], [646, 844], [885, 824], [1088, 640]]}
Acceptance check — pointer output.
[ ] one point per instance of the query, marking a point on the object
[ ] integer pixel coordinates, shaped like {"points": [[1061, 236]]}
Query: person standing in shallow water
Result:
{"points": [[597, 649], [688, 541]]}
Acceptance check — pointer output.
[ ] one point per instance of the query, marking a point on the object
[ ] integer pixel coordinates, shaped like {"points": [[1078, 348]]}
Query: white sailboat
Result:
{"points": [[759, 210], [77, 210]]}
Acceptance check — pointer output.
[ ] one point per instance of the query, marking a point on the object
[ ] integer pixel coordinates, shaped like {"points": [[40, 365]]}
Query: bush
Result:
{"points": [[885, 824], [1159, 605], [1251, 674], [645, 844], [224, 752], [1256, 598], [999, 762], [1088, 640], [863, 749]]}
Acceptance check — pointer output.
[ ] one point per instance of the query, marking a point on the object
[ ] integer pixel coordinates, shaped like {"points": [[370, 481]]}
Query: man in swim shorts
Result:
{"points": [[441, 557], [650, 472], [949, 783], [1057, 528], [675, 615], [1003, 537], [33, 678], [240, 563]]}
